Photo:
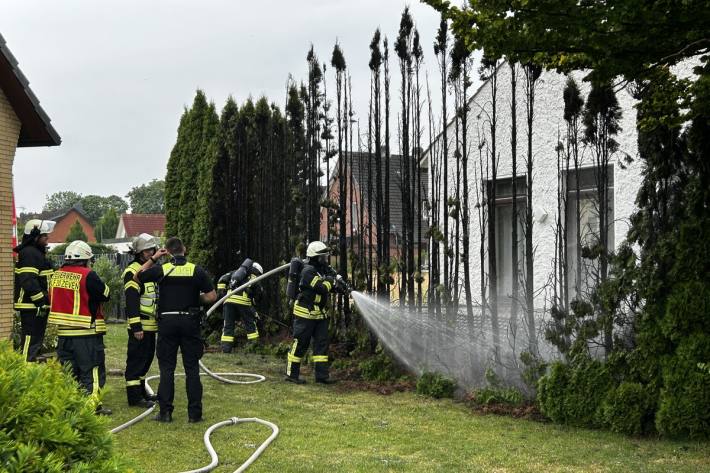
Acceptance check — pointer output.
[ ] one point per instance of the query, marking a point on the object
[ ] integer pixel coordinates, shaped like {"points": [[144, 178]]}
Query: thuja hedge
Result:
{"points": [[47, 424]]}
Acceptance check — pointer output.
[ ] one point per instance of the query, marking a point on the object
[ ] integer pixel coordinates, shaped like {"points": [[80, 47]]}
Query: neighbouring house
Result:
{"points": [[549, 129], [23, 123], [132, 225], [65, 220], [362, 225]]}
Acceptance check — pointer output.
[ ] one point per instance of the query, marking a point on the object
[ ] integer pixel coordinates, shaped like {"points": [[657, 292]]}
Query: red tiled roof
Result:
{"points": [[135, 224]]}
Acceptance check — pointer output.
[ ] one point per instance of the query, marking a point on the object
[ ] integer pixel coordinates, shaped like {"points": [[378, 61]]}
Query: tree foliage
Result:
{"points": [[247, 166], [107, 225], [76, 232], [96, 206], [624, 38], [60, 201], [148, 198]]}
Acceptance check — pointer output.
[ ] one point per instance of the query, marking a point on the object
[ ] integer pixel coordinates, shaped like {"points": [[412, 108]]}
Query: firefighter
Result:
{"points": [[317, 280], [76, 296], [33, 273], [183, 288], [240, 304], [141, 305]]}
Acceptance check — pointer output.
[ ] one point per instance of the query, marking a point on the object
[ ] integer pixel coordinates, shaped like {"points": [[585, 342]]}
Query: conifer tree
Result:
{"points": [[173, 178], [403, 48], [338, 63], [76, 232], [441, 196], [532, 73], [375, 122], [204, 228], [572, 115]]}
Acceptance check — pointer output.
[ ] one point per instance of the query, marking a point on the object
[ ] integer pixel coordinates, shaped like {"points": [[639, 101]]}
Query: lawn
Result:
{"points": [[327, 429]]}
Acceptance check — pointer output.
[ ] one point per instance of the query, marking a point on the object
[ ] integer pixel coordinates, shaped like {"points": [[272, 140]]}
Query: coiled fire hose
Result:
{"points": [[256, 378]]}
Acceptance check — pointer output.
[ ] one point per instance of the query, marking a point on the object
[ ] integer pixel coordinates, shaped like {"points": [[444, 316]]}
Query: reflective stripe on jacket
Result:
{"points": [[70, 298]]}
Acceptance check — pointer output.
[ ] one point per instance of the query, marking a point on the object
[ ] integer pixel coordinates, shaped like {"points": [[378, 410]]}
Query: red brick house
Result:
{"points": [[66, 219], [358, 218]]}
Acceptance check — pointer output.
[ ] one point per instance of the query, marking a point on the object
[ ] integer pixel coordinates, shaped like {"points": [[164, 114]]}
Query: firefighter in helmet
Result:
{"points": [[240, 304], [33, 273], [76, 296], [317, 281], [141, 305]]}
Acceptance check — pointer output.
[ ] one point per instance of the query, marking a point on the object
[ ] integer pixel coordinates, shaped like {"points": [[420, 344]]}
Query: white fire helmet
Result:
{"points": [[257, 267], [317, 248], [78, 250], [144, 241], [44, 226]]}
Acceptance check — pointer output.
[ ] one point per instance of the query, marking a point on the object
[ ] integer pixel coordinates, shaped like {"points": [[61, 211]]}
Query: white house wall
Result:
{"points": [[548, 122]]}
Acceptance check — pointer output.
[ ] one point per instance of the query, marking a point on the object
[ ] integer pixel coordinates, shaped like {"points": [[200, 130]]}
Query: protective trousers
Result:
{"points": [[180, 331], [303, 330], [34, 324], [231, 313], [87, 359], [139, 357]]}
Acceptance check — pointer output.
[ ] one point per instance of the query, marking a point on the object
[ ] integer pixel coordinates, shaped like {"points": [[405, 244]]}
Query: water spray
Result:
{"points": [[425, 343], [255, 378]]}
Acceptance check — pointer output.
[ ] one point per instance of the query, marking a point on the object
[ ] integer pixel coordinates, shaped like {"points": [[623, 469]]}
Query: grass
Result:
{"points": [[329, 429]]}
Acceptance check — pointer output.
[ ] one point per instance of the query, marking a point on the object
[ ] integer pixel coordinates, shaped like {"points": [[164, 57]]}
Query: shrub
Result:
{"points": [[628, 409], [47, 424], [573, 394], [551, 391], [685, 396], [380, 367], [110, 274], [495, 395], [436, 385], [49, 343]]}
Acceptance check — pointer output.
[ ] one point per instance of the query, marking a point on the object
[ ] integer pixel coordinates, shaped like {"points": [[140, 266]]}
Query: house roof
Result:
{"points": [[36, 127], [359, 173], [135, 224], [59, 215]]}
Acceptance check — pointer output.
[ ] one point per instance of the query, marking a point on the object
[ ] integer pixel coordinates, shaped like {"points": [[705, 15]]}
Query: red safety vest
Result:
{"points": [[70, 300]]}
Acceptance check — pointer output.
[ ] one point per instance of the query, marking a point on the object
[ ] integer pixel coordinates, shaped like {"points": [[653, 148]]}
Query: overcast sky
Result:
{"points": [[114, 75]]}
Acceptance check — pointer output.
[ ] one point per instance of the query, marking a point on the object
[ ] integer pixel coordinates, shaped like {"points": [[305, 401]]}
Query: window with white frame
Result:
{"points": [[504, 236], [586, 277]]}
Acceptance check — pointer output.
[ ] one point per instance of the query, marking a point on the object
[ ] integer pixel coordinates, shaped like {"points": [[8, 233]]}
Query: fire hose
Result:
{"points": [[256, 378]]}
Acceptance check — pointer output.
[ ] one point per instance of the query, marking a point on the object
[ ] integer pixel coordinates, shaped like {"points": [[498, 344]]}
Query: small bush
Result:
{"points": [[436, 385], [551, 391], [110, 274], [628, 409], [685, 396], [49, 343], [47, 424], [379, 367], [494, 395]]}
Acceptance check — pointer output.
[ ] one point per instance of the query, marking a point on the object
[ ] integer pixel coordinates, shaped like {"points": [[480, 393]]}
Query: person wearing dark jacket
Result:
{"points": [[141, 306], [317, 281], [33, 272], [77, 293], [240, 304], [184, 287]]}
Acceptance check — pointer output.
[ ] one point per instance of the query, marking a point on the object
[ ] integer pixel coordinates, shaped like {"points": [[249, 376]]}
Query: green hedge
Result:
{"points": [[684, 404], [628, 409], [47, 424]]}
